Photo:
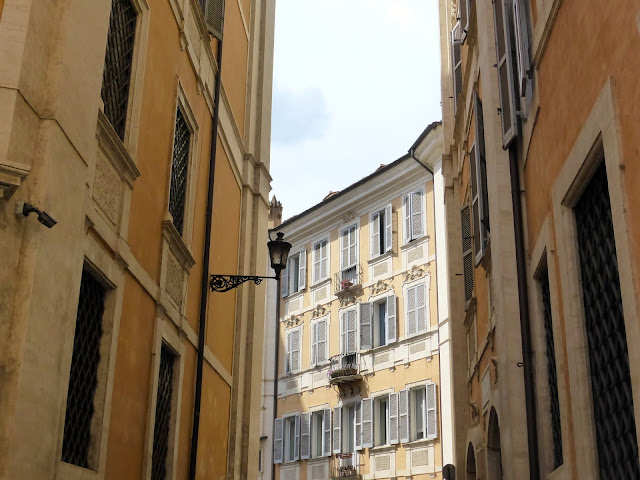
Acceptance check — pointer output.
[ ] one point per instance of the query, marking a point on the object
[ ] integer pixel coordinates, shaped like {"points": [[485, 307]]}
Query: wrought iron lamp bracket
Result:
{"points": [[224, 283]]}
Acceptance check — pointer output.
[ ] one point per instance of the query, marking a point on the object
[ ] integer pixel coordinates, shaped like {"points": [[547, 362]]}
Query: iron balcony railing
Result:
{"points": [[345, 466], [345, 366], [348, 278]]}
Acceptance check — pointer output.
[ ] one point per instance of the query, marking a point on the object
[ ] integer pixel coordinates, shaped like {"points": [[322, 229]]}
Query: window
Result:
{"points": [[294, 341], [163, 414], [471, 342], [381, 420], [349, 255], [83, 377], [479, 192], [381, 232], [349, 428], [378, 322], [321, 433], [319, 341], [290, 436], [467, 252], [413, 216], [213, 11], [320, 261], [417, 311], [522, 45], [116, 75], [179, 170], [418, 413], [295, 275], [456, 62], [348, 331]]}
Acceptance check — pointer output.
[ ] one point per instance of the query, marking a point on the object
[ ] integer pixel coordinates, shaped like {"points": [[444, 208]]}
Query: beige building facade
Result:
{"points": [[360, 383]]}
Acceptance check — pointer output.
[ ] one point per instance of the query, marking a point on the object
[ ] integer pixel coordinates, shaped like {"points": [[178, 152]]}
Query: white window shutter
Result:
{"points": [[367, 422], [393, 418], [213, 17], [456, 63], [278, 430], [288, 354], [344, 249], [421, 308], [302, 282], [353, 246], [388, 230], [296, 444], [321, 342], [417, 229], [432, 414], [326, 424], [314, 343], [305, 435], [412, 320], [343, 333], [375, 235], [352, 326], [317, 262], [522, 45], [324, 259], [295, 350], [407, 219], [403, 407], [284, 280], [358, 429], [508, 119], [366, 330], [391, 319], [337, 432]]}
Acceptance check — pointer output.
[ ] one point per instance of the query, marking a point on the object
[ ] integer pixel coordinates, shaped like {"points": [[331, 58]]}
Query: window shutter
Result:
{"points": [[505, 73], [388, 229], [326, 425], [324, 259], [479, 185], [367, 423], [288, 354], [416, 216], [353, 246], [343, 333], [522, 44], [463, 10], [305, 435], [421, 307], [391, 319], [393, 418], [314, 343], [375, 235], [407, 219], [317, 261], [214, 17], [284, 282], [295, 350], [467, 252], [344, 250], [358, 429], [321, 342], [337, 420], [412, 321], [403, 407], [303, 270], [456, 62], [366, 330], [296, 443], [432, 418], [278, 430], [351, 331]]}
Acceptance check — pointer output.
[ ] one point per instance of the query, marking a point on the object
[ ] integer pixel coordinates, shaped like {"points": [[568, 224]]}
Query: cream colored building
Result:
{"points": [[363, 385]]}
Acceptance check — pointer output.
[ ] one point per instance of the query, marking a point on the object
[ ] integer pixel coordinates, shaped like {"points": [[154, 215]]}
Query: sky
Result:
{"points": [[355, 83]]}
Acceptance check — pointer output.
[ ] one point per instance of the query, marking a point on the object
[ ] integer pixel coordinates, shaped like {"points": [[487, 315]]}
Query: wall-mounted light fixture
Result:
{"points": [[44, 218]]}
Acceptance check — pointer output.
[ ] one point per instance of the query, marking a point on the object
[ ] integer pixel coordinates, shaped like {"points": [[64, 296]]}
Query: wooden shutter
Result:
{"points": [[214, 17], [317, 261], [314, 343], [508, 120], [388, 229], [467, 252], [305, 435], [432, 417], [407, 219], [456, 64], [302, 280], [367, 423], [351, 317], [324, 259], [321, 342], [475, 203], [337, 433], [284, 281], [296, 443], [353, 246], [295, 350], [344, 249], [288, 355], [366, 327], [278, 431], [358, 429], [393, 418], [417, 222], [412, 320], [480, 194], [522, 44], [326, 425], [343, 332], [463, 11], [421, 308], [375, 235], [391, 318], [403, 413]]}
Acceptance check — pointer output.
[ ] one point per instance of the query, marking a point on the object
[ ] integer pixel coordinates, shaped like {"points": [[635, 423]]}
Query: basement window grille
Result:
{"points": [[607, 340], [179, 168], [163, 415], [118, 59], [83, 378], [554, 404]]}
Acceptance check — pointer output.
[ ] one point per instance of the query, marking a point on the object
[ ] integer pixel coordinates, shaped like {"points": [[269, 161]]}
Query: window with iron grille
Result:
{"points": [[118, 58], [611, 391], [179, 169], [83, 378], [552, 379], [163, 414]]}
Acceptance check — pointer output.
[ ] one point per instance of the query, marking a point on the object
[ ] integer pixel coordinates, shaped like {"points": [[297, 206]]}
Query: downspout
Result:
{"points": [[204, 282], [525, 328], [411, 154]]}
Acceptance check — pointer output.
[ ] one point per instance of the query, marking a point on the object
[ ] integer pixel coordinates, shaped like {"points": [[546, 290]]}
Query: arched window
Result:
{"points": [[471, 463], [494, 456]]}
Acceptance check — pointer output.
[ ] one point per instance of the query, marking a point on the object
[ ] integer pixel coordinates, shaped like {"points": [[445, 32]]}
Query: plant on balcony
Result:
{"points": [[345, 284], [346, 471], [343, 372]]}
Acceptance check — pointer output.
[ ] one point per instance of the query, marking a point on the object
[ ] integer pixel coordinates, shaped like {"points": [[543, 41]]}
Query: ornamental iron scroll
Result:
{"points": [[224, 283]]}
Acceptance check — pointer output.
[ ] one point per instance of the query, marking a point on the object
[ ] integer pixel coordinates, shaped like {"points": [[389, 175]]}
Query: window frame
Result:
{"points": [[314, 361], [376, 419], [301, 255], [289, 370], [409, 236], [315, 280], [426, 282], [353, 262], [384, 217], [343, 339], [287, 420]]}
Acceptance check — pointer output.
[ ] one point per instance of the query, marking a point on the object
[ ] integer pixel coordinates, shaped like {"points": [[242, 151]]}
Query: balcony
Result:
{"points": [[345, 373], [348, 280], [345, 466]]}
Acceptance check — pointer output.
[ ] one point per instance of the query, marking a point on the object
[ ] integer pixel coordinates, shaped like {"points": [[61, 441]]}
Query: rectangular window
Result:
{"points": [[416, 310], [381, 232], [378, 322], [291, 426], [418, 413], [413, 216], [348, 331], [294, 341], [163, 414], [381, 420], [467, 252], [349, 428], [319, 342], [320, 261], [83, 377], [317, 434], [213, 11], [294, 276], [479, 192], [349, 256], [116, 76], [179, 170]]}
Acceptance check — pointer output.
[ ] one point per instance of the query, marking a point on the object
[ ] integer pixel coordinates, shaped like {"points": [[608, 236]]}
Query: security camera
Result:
{"points": [[43, 217]]}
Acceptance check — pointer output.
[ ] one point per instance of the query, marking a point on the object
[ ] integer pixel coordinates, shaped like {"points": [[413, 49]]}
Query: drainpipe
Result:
{"points": [[525, 329], [411, 154], [275, 373], [204, 282]]}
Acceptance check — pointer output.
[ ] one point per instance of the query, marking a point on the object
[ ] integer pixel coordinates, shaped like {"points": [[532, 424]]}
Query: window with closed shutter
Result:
{"points": [[179, 170], [417, 315], [467, 252], [213, 11], [403, 415], [348, 331], [319, 341], [305, 435], [320, 261], [456, 63], [163, 414], [393, 419], [479, 193], [367, 422], [278, 440], [293, 350]]}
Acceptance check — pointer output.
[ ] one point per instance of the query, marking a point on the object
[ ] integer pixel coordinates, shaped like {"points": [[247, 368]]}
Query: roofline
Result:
{"points": [[424, 134]]}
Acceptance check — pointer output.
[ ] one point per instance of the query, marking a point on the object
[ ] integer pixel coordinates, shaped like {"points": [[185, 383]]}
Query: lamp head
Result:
{"points": [[279, 253]]}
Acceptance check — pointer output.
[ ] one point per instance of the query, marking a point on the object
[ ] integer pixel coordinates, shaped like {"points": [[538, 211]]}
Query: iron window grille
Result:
{"points": [[552, 379], [163, 415], [118, 58], [616, 439], [179, 169], [83, 378]]}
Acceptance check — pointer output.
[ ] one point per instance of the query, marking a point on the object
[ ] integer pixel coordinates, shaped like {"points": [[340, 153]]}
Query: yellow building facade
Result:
{"points": [[360, 390], [117, 361], [541, 160]]}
